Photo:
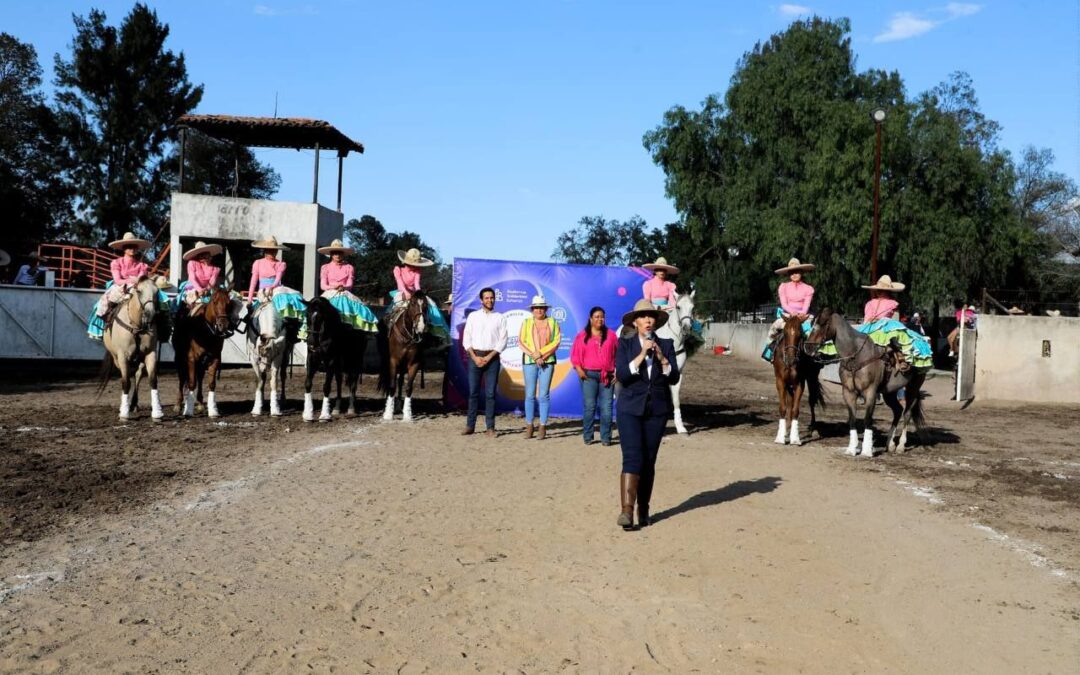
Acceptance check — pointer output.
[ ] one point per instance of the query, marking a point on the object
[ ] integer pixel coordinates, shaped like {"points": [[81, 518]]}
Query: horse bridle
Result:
{"points": [[413, 335], [145, 325]]}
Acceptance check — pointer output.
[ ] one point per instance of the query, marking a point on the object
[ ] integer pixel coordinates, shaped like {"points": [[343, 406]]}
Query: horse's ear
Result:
{"points": [[693, 293]]}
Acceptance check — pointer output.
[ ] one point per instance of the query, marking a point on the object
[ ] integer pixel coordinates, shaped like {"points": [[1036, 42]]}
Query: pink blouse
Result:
{"points": [[265, 269], [408, 280], [657, 288], [879, 308], [201, 276], [795, 297], [336, 274], [126, 271], [587, 353]]}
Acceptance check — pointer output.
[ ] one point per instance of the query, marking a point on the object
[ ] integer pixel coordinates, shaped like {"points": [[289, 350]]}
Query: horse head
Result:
{"points": [[267, 328], [218, 313], [322, 320], [414, 314], [823, 330], [142, 307]]}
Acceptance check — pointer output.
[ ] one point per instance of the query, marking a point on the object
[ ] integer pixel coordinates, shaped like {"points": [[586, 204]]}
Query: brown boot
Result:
{"points": [[529, 430], [540, 435], [628, 487]]}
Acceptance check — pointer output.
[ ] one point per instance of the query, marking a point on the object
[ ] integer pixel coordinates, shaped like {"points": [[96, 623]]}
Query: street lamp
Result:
{"points": [[878, 116]]}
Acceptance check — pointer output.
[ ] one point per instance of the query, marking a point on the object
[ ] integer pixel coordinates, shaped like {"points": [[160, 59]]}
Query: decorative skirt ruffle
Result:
{"points": [[354, 313], [915, 348]]}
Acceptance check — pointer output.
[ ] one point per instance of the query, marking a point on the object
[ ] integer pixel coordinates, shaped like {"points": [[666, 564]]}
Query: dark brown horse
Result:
{"points": [[197, 343], [401, 348], [794, 372]]}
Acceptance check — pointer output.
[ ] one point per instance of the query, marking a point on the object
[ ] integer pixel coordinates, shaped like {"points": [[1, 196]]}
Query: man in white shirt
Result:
{"points": [[484, 338]]}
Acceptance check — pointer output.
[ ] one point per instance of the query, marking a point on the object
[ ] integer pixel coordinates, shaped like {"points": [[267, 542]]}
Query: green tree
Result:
{"points": [[34, 198], [210, 168], [599, 241], [377, 255], [117, 99]]}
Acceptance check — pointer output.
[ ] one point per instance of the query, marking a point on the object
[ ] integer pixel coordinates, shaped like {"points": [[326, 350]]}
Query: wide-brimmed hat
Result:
{"points": [[269, 243], [163, 283], [539, 301], [885, 283], [794, 265], [200, 248], [4, 257], [644, 307], [661, 264], [413, 258], [336, 246], [129, 239], [449, 300], [1015, 311]]}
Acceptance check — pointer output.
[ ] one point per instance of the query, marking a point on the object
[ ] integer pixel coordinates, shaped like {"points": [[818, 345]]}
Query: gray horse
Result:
{"points": [[867, 369]]}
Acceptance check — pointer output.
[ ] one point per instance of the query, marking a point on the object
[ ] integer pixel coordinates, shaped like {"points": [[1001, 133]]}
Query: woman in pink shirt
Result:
{"points": [[882, 328], [795, 298], [593, 357], [126, 271], [407, 277], [267, 274], [336, 282], [658, 290], [202, 274]]}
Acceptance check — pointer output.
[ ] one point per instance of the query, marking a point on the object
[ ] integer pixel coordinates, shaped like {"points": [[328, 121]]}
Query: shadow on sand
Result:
{"points": [[728, 493]]}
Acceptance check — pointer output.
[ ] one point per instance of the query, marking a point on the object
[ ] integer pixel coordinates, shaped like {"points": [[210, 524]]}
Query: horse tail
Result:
{"points": [[917, 414], [382, 340], [813, 384], [105, 374]]}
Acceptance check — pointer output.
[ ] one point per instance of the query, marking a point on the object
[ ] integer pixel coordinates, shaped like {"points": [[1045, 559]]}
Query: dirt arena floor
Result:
{"points": [[260, 545]]}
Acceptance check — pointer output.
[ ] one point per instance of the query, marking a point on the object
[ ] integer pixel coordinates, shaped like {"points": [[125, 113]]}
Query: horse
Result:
{"points": [[197, 342], [867, 369], [269, 348], [131, 342], [336, 349], [794, 371], [677, 329], [401, 351]]}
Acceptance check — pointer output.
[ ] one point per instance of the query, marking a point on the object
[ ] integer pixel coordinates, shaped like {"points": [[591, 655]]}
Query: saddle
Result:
{"points": [[894, 357]]}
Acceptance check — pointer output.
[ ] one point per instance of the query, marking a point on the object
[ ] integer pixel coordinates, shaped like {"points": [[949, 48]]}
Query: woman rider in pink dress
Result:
{"points": [[267, 274], [126, 271], [202, 276], [407, 277], [658, 290], [336, 282]]}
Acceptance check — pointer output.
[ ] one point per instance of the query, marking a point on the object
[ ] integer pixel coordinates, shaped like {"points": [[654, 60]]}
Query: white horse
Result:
{"points": [[268, 350], [678, 327], [131, 342]]}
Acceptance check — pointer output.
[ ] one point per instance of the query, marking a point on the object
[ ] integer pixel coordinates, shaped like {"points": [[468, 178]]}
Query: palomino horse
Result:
{"points": [[268, 349], [866, 370], [794, 371], [336, 349], [401, 351], [677, 329], [131, 342], [197, 343]]}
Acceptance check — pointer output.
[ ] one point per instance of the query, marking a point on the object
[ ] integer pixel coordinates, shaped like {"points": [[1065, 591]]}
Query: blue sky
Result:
{"points": [[491, 127]]}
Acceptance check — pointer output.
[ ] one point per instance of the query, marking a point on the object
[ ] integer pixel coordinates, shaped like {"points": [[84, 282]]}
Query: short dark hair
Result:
{"points": [[486, 289]]}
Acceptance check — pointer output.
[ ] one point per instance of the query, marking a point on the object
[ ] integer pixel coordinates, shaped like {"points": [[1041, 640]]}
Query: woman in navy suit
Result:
{"points": [[645, 365]]}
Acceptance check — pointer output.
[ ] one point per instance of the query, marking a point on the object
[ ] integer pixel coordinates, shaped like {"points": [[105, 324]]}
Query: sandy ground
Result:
{"points": [[258, 545]]}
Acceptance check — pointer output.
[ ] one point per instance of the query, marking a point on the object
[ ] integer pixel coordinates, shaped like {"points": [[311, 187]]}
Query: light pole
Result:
{"points": [[878, 116]]}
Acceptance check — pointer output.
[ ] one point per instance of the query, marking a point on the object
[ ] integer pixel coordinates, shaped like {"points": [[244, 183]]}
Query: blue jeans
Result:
{"points": [[592, 394], [535, 375], [490, 373]]}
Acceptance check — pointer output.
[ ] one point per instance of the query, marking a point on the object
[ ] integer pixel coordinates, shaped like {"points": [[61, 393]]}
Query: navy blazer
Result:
{"points": [[637, 387]]}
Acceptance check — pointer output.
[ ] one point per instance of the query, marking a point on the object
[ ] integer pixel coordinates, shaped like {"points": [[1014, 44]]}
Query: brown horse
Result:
{"points": [[197, 343], [401, 348], [794, 371], [131, 342]]}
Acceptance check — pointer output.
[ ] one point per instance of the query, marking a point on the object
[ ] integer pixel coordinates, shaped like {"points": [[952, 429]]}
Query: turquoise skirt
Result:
{"points": [[354, 313], [95, 325], [434, 318]]}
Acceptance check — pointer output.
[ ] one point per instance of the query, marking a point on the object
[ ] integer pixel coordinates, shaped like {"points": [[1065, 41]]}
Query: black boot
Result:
{"points": [[644, 495]]}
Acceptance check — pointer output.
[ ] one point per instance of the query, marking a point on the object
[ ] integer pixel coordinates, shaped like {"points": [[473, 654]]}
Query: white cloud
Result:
{"points": [[794, 10], [905, 25]]}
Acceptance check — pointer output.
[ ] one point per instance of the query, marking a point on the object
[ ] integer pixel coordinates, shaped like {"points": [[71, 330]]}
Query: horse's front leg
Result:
{"points": [[350, 380], [275, 386], [211, 394], [330, 370], [151, 365], [192, 382], [897, 410], [679, 426], [125, 387], [136, 379], [851, 400], [260, 383], [388, 411], [338, 376], [781, 398], [868, 423], [793, 412], [406, 406], [309, 406]]}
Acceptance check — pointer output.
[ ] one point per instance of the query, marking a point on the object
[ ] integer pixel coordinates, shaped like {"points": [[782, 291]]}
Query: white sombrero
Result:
{"points": [[449, 300], [200, 248], [539, 301], [661, 264], [413, 258], [4, 257], [336, 246], [269, 243], [885, 283], [794, 265], [129, 239], [645, 308], [1015, 311]]}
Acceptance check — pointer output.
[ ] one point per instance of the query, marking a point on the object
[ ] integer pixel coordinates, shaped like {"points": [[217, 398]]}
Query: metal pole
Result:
{"points": [[340, 162], [183, 151], [315, 193], [877, 210]]}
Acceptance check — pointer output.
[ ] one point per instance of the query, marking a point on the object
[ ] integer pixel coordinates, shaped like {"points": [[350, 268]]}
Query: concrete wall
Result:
{"points": [[296, 223], [1009, 361], [745, 339]]}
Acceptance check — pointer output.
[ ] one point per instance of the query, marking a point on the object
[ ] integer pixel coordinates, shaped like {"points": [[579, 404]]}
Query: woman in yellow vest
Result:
{"points": [[539, 340]]}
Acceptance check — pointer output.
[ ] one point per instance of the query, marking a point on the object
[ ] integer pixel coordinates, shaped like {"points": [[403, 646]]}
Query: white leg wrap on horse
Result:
{"points": [[388, 411], [679, 427], [795, 440], [155, 405], [868, 443], [256, 409], [781, 433], [189, 404], [903, 442], [406, 409], [125, 406], [309, 408], [211, 404], [275, 405], [325, 409], [853, 443]]}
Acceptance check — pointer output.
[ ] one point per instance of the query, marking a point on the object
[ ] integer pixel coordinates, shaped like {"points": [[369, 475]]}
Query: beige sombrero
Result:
{"points": [[336, 246], [661, 264], [129, 239], [200, 248], [163, 283], [413, 258], [794, 265], [1015, 311], [644, 307], [449, 300], [269, 243], [4, 257], [885, 283]]}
